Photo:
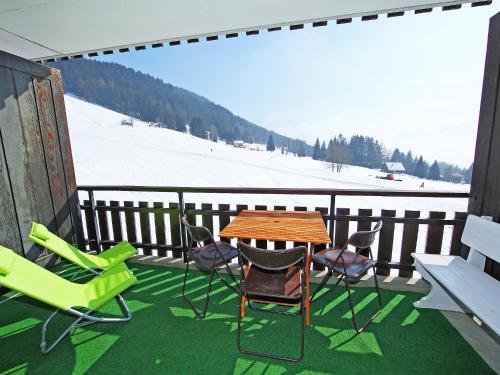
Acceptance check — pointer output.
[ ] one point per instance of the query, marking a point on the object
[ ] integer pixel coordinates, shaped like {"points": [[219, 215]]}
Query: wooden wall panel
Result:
{"points": [[67, 158], [24, 156], [53, 157], [484, 196], [9, 232], [35, 172]]}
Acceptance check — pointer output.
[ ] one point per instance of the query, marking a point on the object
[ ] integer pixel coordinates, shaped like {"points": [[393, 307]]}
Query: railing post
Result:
{"points": [[93, 210], [183, 230], [331, 218]]}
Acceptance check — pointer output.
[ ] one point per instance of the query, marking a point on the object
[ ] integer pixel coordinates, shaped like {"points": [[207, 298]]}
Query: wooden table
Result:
{"points": [[296, 226]]}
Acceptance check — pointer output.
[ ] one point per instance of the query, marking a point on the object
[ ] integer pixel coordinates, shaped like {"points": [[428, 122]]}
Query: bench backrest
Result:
{"points": [[482, 236]]}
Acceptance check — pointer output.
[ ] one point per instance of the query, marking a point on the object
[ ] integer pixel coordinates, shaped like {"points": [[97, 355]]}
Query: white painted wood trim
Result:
{"points": [[438, 298]]}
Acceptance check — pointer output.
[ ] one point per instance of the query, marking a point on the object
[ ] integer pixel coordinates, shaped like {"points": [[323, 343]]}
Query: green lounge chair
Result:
{"points": [[26, 277], [103, 261]]}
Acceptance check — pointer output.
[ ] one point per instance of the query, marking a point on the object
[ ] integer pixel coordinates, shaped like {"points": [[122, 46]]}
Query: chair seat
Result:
{"points": [[204, 255], [273, 286], [356, 265]]}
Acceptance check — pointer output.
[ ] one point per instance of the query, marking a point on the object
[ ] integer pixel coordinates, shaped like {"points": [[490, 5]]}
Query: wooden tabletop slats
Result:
{"points": [[303, 226]]}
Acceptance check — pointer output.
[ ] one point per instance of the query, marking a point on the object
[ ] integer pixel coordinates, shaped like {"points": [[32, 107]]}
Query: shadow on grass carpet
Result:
{"points": [[165, 337]]}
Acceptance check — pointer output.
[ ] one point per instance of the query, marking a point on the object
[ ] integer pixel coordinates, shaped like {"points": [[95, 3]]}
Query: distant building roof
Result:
{"points": [[394, 167]]}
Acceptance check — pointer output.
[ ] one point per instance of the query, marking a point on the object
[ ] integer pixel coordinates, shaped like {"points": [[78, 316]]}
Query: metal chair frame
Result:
{"points": [[82, 316], [82, 319], [369, 237], [301, 263], [205, 236]]}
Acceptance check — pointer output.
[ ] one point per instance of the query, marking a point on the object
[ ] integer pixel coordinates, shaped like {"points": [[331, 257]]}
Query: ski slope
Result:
{"points": [[107, 153]]}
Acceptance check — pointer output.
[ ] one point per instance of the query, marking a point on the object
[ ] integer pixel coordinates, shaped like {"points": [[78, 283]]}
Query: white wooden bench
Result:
{"points": [[462, 285]]}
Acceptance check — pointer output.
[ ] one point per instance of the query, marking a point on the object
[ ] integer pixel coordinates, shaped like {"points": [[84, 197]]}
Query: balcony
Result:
{"points": [[164, 335]]}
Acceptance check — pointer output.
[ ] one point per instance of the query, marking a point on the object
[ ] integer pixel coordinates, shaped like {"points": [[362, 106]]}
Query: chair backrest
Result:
{"points": [[43, 237], [198, 234], [272, 259], [482, 236], [22, 275], [364, 239]]}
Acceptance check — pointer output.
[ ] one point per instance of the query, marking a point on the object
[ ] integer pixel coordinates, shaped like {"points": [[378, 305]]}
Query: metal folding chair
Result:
{"points": [[273, 277], [351, 266], [207, 255]]}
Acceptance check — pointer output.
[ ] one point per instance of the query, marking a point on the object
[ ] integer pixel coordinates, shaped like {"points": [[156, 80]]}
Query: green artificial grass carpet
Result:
{"points": [[165, 337]]}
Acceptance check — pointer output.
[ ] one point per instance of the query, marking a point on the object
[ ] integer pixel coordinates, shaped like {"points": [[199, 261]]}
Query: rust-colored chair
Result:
{"points": [[273, 277], [351, 266]]}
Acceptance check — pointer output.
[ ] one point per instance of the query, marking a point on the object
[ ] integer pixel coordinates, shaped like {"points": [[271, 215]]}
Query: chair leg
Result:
{"points": [[226, 282], [273, 356], [201, 314], [82, 319], [379, 298]]}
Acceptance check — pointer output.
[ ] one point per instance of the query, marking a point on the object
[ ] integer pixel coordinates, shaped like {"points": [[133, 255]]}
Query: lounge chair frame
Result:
{"points": [[82, 319]]}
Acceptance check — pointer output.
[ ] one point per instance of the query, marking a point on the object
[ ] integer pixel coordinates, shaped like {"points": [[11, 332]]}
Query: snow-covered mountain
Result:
{"points": [[108, 153]]}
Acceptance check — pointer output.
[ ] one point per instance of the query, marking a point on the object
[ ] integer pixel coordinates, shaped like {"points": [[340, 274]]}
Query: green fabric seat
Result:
{"points": [[105, 260], [36, 282], [28, 278]]}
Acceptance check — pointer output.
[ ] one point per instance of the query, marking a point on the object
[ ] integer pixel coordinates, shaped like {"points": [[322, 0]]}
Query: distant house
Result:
{"points": [[393, 167], [239, 144]]}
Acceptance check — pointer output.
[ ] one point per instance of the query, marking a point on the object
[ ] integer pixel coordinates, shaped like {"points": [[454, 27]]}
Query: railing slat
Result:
{"points": [[409, 243], [456, 236], [386, 241], [223, 219], [262, 244], [91, 229], [102, 219], [145, 229], [130, 223], [318, 248], [116, 222], [341, 228], [299, 208], [207, 219], [364, 225], [279, 244], [191, 217], [434, 240], [161, 238], [239, 208], [175, 230]]}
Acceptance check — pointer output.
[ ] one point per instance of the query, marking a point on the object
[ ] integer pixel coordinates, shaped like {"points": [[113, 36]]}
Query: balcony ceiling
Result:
{"points": [[46, 29]]}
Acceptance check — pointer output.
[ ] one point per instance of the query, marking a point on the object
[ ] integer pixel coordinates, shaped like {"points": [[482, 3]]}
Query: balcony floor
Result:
{"points": [[165, 337]]}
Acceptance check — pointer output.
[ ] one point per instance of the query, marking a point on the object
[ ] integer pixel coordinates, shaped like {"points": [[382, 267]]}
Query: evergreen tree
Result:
{"points": [[198, 127], [270, 143], [322, 151], [301, 149], [434, 172], [330, 154], [316, 150], [396, 156], [408, 162], [420, 168]]}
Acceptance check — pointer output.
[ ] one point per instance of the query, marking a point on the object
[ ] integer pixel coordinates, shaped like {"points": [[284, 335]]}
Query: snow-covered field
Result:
{"points": [[107, 153]]}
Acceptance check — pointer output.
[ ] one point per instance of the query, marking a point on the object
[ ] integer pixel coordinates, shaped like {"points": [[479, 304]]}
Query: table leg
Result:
{"points": [[308, 289]]}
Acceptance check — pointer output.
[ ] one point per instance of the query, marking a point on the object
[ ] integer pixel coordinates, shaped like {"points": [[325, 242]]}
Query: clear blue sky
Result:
{"points": [[413, 82]]}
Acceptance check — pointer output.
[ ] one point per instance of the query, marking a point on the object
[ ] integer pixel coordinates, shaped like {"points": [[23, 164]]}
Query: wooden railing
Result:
{"points": [[106, 226]]}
